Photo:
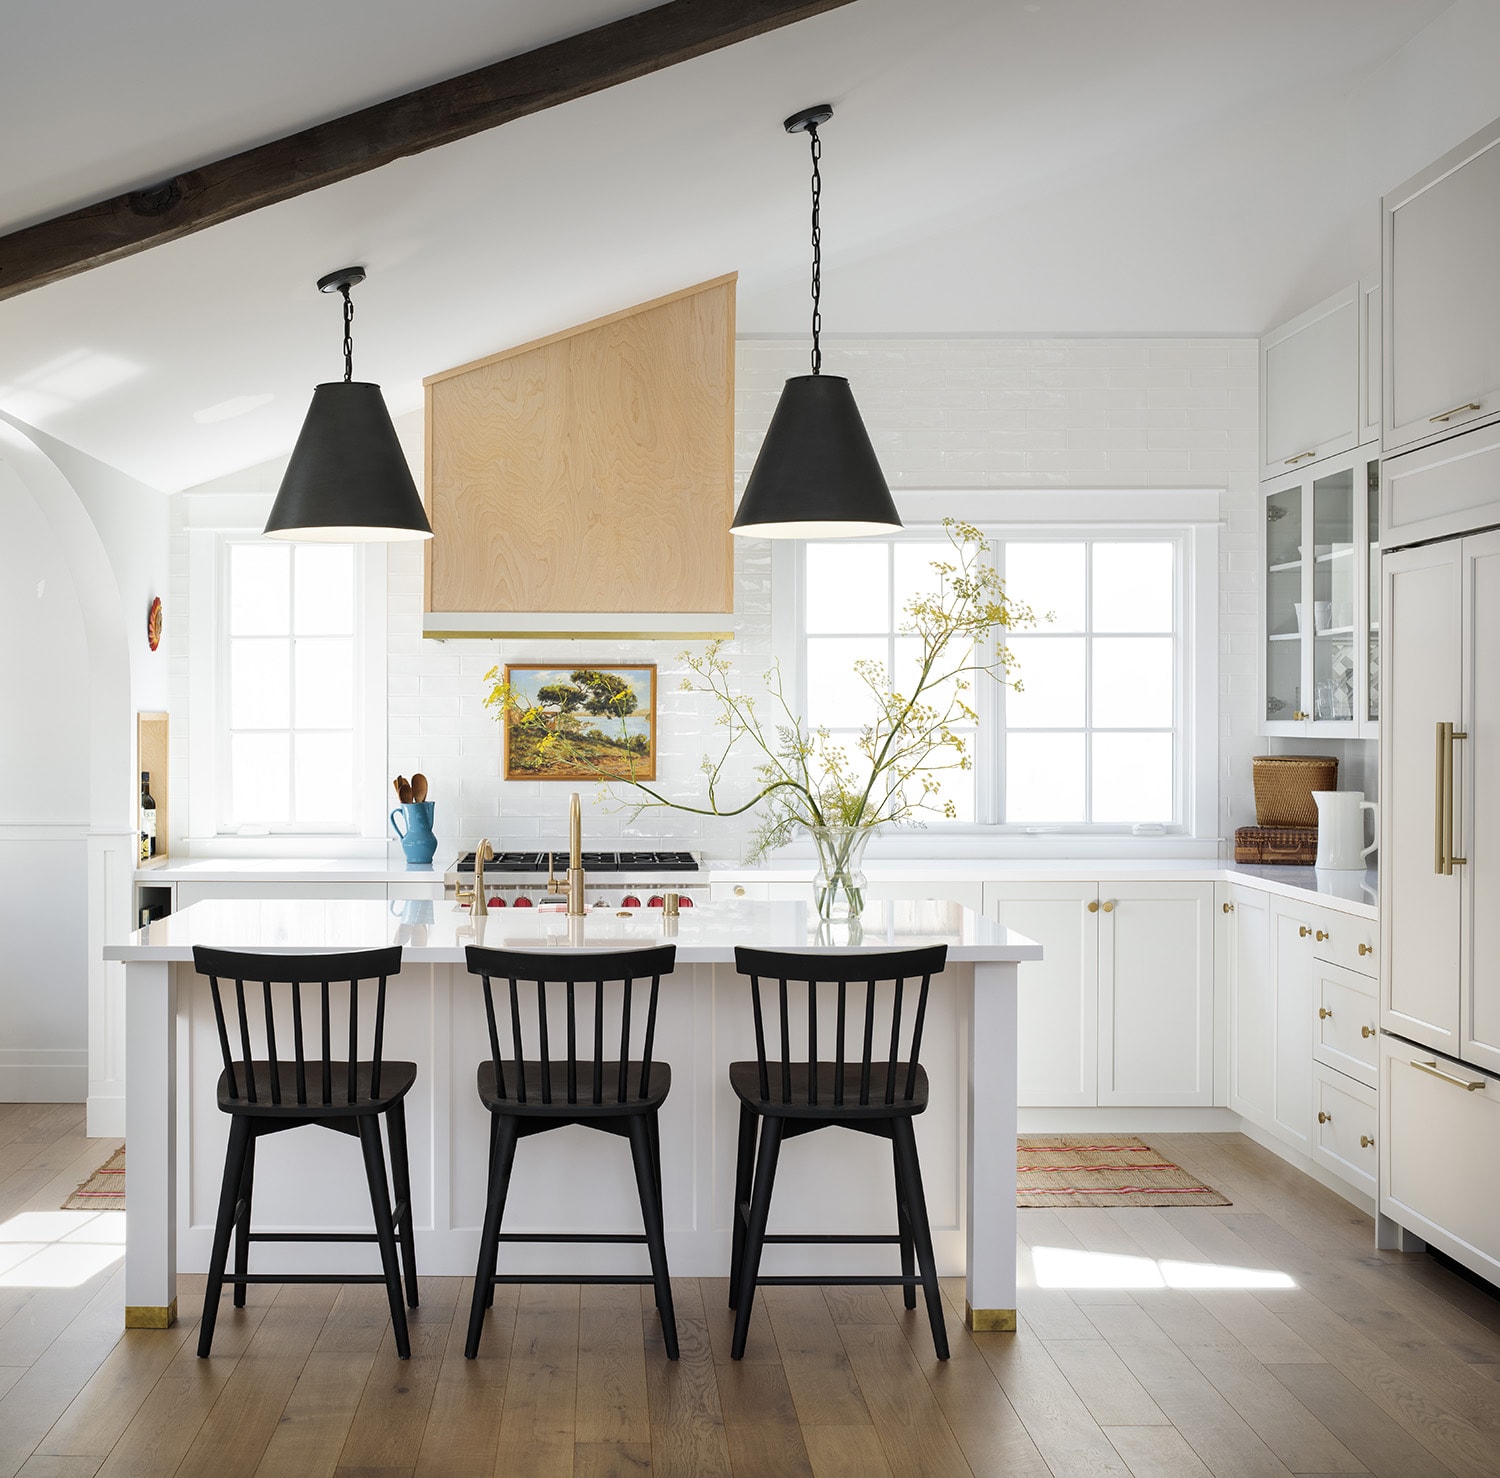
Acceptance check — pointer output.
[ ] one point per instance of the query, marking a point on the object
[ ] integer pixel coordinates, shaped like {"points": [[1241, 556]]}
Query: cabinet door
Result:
{"points": [[1156, 962], [1478, 835], [1441, 296], [1252, 1008], [1333, 621], [1058, 995], [1369, 360], [1284, 676], [1309, 385], [1292, 943], [1419, 903]]}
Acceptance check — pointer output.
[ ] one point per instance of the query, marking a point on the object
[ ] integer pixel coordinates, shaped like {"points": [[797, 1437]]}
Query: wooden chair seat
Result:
{"points": [[822, 1100], [547, 1093], [396, 1081]]}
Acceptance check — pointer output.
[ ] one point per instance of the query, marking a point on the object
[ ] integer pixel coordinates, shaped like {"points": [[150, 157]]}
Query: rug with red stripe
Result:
{"points": [[1059, 1170], [104, 1190]]}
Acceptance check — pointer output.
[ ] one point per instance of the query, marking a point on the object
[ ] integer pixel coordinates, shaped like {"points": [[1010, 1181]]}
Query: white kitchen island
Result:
{"points": [[569, 1179]]}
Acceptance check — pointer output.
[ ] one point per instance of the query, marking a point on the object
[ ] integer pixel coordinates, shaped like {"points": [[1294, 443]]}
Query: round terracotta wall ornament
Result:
{"points": [[153, 623]]}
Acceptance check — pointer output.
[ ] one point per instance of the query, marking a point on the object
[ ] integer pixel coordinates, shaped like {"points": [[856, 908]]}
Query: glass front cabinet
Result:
{"points": [[1320, 668]]}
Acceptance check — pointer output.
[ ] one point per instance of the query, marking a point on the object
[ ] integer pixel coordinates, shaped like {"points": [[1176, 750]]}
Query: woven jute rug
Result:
{"points": [[104, 1190], [1103, 1170]]}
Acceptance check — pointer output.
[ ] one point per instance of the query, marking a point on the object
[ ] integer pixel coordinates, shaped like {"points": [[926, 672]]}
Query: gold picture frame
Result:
{"points": [[608, 711]]}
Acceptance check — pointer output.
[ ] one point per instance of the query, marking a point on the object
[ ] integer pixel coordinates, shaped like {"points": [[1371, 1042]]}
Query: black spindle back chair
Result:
{"points": [[572, 1041], [838, 1040], [336, 1076]]}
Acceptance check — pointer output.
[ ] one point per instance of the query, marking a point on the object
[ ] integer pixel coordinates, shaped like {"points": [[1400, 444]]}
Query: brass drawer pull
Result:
{"points": [[1108, 907], [1367, 949], [1320, 936], [1303, 931], [1093, 905], [739, 890], [1324, 1014], [1367, 1031], [1324, 1118], [1367, 1141], [1467, 1084], [1303, 456], [1229, 908], [1472, 405]]}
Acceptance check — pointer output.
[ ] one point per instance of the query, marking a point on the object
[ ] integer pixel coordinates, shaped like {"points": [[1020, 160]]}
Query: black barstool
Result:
{"points": [[783, 1097], [532, 1094], [266, 1094]]}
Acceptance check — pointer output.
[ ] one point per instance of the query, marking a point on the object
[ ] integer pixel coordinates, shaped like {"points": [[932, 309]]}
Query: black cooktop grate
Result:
{"points": [[592, 862]]}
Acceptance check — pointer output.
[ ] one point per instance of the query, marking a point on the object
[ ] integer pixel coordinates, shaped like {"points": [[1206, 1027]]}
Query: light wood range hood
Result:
{"points": [[582, 485]]}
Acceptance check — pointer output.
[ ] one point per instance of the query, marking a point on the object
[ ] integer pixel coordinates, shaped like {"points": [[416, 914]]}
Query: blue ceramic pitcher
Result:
{"points": [[417, 840]]}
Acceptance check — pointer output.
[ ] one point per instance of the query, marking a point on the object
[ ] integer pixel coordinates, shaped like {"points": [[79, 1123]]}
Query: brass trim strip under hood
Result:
{"points": [[577, 626]]}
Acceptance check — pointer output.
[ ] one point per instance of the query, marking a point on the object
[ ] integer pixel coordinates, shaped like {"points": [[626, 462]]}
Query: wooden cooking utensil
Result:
{"points": [[419, 787], [403, 790]]}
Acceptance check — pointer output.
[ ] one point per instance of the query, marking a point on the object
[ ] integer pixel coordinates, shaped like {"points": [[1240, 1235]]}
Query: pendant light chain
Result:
{"points": [[817, 248], [348, 333]]}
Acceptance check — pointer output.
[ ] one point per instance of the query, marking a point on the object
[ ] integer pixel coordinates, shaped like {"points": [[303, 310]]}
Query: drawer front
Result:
{"points": [[1345, 1127], [1341, 939], [1347, 1023], [1437, 1151], [1446, 489]]}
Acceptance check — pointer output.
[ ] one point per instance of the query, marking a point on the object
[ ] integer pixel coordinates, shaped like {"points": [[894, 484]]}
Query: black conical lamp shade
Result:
{"points": [[348, 481], [817, 476]]}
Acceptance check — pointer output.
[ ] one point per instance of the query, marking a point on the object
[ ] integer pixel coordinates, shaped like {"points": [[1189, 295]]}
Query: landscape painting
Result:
{"points": [[580, 723]]}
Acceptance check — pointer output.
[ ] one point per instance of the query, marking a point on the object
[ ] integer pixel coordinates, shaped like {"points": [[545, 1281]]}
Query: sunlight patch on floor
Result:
{"points": [[59, 1249], [1072, 1267]]}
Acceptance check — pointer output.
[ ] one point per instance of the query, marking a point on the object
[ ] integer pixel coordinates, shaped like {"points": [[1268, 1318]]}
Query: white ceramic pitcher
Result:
{"points": [[1341, 830]]}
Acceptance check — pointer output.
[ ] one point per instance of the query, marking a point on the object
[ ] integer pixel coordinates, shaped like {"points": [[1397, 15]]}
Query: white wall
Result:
{"points": [[944, 413]]}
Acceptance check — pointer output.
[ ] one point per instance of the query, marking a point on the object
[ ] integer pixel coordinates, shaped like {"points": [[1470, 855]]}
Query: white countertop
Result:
{"points": [[392, 868], [1350, 892], [437, 933]]}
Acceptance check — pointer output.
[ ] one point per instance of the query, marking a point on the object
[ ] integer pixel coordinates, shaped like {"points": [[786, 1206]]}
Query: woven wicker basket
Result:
{"points": [[1284, 786]]}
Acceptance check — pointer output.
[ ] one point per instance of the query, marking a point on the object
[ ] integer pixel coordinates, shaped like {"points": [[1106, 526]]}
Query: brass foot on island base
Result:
{"points": [[990, 1321], [150, 1316]]}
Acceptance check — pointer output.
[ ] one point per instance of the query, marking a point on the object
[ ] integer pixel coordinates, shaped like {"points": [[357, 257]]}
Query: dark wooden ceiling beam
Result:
{"points": [[343, 147]]}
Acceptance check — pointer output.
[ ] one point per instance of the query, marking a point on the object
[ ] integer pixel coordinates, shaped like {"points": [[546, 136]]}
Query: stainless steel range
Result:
{"points": [[611, 879]]}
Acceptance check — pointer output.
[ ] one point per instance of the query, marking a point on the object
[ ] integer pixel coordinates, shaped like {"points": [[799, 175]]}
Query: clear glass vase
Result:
{"points": [[839, 887]]}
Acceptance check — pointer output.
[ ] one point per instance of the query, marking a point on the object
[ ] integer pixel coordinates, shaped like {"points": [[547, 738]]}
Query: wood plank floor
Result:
{"points": [[1259, 1340]]}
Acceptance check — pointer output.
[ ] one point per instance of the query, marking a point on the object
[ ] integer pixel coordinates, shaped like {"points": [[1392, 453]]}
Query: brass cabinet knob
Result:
{"points": [[1367, 949], [1320, 936], [1324, 1014], [1367, 1031], [1108, 907], [1229, 908], [1324, 1118], [1303, 931], [1367, 1141], [739, 890], [1093, 905], [1298, 714]]}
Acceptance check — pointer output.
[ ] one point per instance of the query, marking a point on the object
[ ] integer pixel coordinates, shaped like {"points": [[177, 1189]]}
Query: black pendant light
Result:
{"points": [[817, 476], [348, 481]]}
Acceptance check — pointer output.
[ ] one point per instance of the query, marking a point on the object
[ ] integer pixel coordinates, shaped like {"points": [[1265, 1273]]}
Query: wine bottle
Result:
{"points": [[148, 819]]}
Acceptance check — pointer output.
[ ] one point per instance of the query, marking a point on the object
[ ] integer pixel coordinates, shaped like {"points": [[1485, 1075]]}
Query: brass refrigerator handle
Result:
{"points": [[1469, 1085], [1444, 860]]}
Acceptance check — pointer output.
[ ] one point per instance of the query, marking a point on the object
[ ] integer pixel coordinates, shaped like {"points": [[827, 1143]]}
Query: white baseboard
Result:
{"points": [[1127, 1120], [40, 1076], [106, 1116]]}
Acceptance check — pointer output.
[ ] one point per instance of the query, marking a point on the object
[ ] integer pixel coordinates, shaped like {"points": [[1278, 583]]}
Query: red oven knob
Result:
{"points": [[497, 903], [654, 901], [522, 902], [683, 901], [630, 901]]}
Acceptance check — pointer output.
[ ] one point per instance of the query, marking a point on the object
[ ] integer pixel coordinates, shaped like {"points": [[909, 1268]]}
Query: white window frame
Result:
{"points": [[213, 523], [1190, 518]]}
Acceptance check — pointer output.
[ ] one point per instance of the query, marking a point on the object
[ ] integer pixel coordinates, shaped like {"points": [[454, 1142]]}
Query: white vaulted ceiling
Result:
{"points": [[1058, 166]]}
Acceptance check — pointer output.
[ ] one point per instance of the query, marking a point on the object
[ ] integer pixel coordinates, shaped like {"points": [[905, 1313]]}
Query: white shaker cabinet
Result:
{"points": [[1156, 994], [1119, 1011], [1310, 385], [1058, 995], [1292, 934], [1369, 360], [1441, 296], [1252, 1006]]}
